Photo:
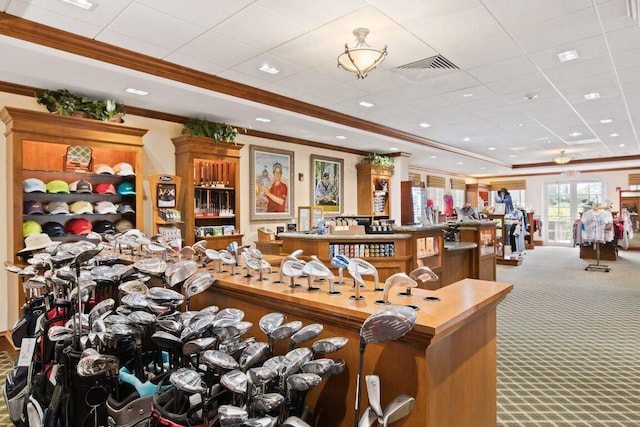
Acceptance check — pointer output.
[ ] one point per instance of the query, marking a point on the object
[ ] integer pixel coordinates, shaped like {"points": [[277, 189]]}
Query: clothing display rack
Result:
{"points": [[597, 226]]}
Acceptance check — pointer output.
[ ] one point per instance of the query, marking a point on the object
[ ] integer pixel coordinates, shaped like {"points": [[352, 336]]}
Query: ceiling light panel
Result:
{"points": [[136, 91], [82, 4], [591, 95], [568, 55]]}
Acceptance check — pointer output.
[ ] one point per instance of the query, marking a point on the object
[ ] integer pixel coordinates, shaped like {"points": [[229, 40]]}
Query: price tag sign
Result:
{"points": [[27, 348]]}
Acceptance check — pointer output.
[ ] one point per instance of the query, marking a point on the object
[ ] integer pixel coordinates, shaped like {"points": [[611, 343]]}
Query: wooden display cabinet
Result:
{"points": [[210, 172], [475, 192], [36, 145], [483, 233], [374, 185], [502, 236]]}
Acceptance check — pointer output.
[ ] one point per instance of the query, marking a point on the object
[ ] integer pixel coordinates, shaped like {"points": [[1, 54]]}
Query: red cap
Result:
{"points": [[78, 226], [104, 188]]}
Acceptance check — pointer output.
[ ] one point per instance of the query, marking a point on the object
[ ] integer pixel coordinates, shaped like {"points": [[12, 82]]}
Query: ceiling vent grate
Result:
{"points": [[424, 68]]}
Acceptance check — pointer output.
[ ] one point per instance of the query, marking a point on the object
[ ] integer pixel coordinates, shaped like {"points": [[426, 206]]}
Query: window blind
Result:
{"points": [[634, 179], [435, 181], [458, 184], [509, 185]]}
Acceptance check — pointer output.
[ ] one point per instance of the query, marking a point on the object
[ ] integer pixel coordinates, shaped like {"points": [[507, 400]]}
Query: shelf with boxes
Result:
{"points": [[78, 173]]}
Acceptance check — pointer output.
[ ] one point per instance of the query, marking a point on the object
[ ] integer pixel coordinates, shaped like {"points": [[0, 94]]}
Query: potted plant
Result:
{"points": [[217, 131], [378, 160], [59, 101], [106, 110]]}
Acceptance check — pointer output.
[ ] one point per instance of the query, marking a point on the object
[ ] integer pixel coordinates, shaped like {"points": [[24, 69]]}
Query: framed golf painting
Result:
{"points": [[272, 189], [327, 186]]}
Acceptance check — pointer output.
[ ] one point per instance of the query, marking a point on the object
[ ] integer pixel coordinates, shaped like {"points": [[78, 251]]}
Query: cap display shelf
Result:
{"points": [[36, 146]]}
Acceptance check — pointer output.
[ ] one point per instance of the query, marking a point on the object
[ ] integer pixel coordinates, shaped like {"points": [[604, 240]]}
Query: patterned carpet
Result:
{"points": [[568, 342], [6, 363]]}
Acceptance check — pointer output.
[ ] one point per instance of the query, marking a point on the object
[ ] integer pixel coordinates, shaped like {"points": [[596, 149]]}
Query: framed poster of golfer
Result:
{"points": [[327, 186], [272, 190]]}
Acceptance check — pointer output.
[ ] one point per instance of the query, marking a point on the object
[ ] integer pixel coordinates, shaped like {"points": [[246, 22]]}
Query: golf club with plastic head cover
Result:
{"points": [[293, 269], [395, 280], [358, 281], [329, 345], [422, 274], [196, 284], [317, 269], [211, 255], [385, 325], [341, 262], [293, 256], [231, 416], [307, 333], [366, 269], [399, 408]]}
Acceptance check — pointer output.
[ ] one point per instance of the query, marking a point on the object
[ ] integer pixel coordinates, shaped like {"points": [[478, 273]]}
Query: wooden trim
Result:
{"points": [[527, 175], [634, 179], [19, 28], [579, 162]]}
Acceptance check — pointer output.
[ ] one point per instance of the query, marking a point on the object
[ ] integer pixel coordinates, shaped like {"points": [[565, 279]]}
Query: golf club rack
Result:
{"points": [[101, 346]]}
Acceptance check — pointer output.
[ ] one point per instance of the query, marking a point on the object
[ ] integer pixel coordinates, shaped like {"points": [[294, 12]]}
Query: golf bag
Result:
{"points": [[16, 392], [131, 411], [25, 327], [172, 408]]}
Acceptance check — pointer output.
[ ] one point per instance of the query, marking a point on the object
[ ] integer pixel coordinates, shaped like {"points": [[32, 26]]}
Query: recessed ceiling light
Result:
{"points": [[136, 91], [460, 163], [366, 104], [512, 156], [394, 149], [592, 95], [262, 119], [425, 125], [575, 134], [605, 121], [621, 145], [433, 157], [467, 95], [568, 55], [530, 96], [518, 125], [491, 148], [269, 69], [467, 139], [614, 134], [82, 4], [341, 137]]}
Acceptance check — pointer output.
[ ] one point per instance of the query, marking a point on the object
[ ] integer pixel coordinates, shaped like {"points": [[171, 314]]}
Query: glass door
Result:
{"points": [[559, 217]]}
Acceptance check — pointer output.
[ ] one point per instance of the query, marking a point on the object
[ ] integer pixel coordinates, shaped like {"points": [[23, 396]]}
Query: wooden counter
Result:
{"points": [[458, 262], [321, 245], [447, 362]]}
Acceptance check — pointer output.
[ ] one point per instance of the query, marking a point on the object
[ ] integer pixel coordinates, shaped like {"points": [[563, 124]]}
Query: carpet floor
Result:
{"points": [[568, 341]]}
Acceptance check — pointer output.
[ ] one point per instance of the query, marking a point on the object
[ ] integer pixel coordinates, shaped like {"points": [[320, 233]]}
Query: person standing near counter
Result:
{"points": [[277, 193]]}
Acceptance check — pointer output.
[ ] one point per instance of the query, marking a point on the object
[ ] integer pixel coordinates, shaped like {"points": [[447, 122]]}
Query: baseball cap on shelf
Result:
{"points": [[78, 226], [57, 208], [33, 185], [57, 186], [103, 169], [123, 225], [105, 188], [81, 186], [124, 169], [37, 241], [126, 188], [81, 207], [30, 207], [125, 208], [53, 229], [105, 207], [104, 226], [30, 227]]}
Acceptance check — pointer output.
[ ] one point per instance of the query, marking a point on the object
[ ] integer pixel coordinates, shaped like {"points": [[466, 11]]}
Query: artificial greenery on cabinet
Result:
{"points": [[65, 103], [218, 131]]}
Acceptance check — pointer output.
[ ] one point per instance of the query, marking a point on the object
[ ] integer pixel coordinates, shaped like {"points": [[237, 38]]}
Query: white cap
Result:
{"points": [[102, 168], [124, 169], [106, 207]]}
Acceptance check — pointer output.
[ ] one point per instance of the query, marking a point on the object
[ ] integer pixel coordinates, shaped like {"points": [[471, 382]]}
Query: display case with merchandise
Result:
{"points": [[374, 190], [210, 172], [71, 172]]}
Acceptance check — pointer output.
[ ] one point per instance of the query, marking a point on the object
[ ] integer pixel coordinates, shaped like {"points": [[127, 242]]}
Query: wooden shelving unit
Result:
{"points": [[502, 236], [483, 233], [374, 185], [36, 145], [474, 192], [210, 172]]}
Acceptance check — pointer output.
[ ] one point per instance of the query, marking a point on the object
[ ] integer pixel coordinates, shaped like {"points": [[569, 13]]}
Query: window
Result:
{"points": [[437, 195], [565, 202], [458, 198]]}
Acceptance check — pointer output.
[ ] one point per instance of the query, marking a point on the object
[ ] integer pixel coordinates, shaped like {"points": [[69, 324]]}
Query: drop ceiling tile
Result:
{"points": [[624, 40], [194, 62], [588, 49], [521, 85], [501, 70], [405, 11], [447, 83], [558, 31], [133, 44], [204, 14], [483, 53], [614, 15], [467, 27], [243, 78], [267, 31], [251, 67], [339, 93], [219, 50], [581, 70], [311, 15], [304, 82], [627, 59], [514, 15], [67, 17]]}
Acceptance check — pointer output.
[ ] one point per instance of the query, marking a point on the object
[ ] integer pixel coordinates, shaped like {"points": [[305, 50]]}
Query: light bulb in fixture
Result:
{"points": [[562, 160], [362, 58]]}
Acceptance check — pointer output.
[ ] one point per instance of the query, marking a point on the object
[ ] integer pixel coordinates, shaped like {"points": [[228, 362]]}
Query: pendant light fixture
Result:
{"points": [[562, 160], [361, 58]]}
